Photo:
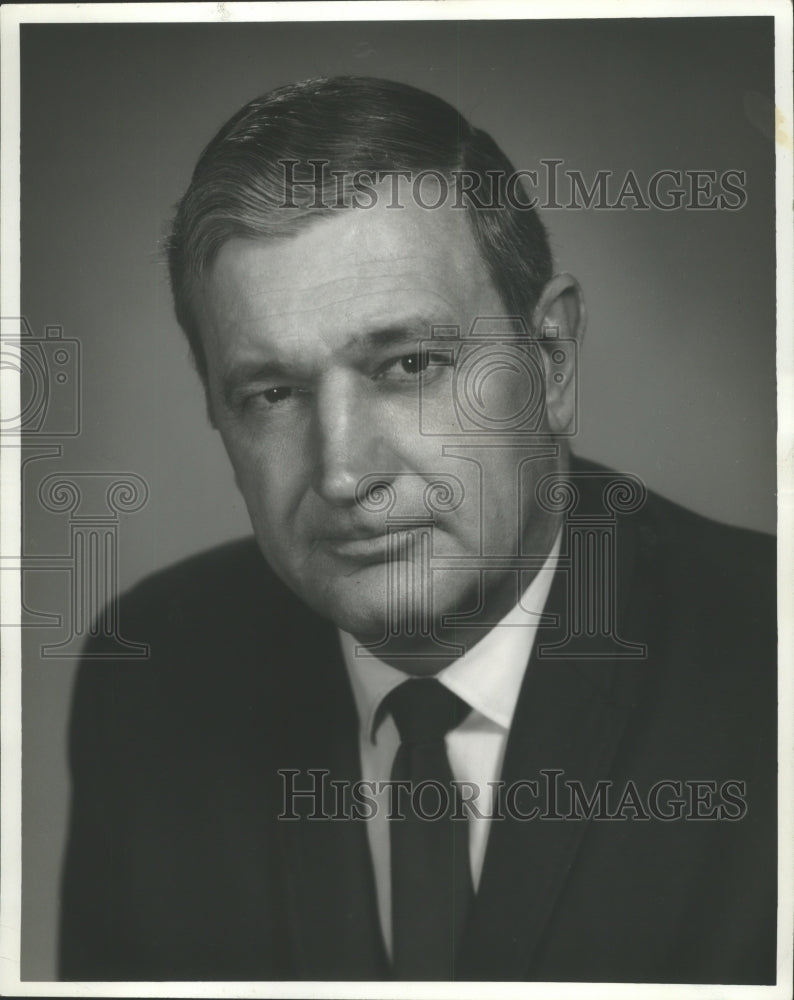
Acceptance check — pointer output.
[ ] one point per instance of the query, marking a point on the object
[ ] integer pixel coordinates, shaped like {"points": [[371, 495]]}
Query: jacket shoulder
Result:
{"points": [[730, 557], [228, 568], [211, 626], [186, 601], [698, 547]]}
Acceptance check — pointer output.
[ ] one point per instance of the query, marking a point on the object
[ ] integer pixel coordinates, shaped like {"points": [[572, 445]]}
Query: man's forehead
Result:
{"points": [[348, 261]]}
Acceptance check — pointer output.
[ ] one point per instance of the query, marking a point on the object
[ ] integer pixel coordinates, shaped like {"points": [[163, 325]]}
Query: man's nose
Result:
{"points": [[351, 431]]}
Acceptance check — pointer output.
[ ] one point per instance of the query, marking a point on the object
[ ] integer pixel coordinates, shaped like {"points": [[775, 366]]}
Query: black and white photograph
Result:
{"points": [[396, 499]]}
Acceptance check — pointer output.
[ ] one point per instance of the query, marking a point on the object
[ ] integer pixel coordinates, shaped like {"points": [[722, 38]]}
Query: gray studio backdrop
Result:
{"points": [[677, 379]]}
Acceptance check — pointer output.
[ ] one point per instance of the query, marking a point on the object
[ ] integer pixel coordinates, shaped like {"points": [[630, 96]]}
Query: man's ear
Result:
{"points": [[558, 325]]}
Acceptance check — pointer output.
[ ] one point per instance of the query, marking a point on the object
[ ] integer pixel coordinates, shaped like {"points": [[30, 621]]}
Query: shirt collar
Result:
{"points": [[488, 677]]}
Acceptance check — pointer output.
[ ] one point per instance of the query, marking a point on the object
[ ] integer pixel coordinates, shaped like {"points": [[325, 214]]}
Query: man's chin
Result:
{"points": [[364, 604], [374, 603]]}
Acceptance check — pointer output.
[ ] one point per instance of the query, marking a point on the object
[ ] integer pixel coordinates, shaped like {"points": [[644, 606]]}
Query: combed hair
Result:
{"points": [[355, 125]]}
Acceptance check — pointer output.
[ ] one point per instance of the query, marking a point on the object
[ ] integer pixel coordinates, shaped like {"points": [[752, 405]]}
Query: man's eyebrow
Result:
{"points": [[395, 334]]}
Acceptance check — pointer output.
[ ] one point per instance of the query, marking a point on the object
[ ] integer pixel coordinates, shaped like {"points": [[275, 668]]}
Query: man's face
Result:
{"points": [[315, 375]]}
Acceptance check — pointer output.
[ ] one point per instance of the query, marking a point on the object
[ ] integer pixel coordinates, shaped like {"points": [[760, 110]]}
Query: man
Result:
{"points": [[582, 675]]}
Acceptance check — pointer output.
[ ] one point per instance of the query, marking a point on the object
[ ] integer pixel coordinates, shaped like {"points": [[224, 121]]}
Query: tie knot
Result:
{"points": [[424, 710]]}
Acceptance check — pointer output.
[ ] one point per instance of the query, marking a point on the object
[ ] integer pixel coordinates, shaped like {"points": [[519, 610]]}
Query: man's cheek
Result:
{"points": [[248, 483], [259, 494], [249, 464]]}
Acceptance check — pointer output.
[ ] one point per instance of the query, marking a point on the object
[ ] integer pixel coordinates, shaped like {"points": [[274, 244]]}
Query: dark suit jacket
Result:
{"points": [[177, 867]]}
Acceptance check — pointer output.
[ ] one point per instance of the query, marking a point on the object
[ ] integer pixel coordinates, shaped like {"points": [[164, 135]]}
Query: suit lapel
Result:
{"points": [[334, 923], [569, 717]]}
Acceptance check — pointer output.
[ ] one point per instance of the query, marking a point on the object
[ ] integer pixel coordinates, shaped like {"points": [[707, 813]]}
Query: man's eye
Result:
{"points": [[409, 364], [413, 364], [277, 394]]}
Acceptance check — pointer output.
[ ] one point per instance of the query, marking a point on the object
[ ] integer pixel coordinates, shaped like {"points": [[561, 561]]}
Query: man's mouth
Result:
{"points": [[371, 546]]}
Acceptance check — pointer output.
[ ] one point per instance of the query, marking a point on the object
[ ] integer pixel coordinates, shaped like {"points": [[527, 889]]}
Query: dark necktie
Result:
{"points": [[430, 873]]}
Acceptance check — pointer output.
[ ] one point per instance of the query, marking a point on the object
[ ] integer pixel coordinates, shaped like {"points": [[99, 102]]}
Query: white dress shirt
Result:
{"points": [[488, 678]]}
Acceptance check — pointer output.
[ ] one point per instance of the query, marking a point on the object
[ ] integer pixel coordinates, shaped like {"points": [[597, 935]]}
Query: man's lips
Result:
{"points": [[373, 546]]}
